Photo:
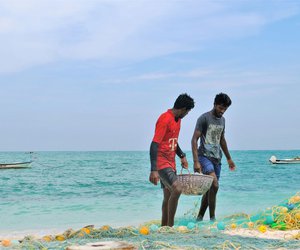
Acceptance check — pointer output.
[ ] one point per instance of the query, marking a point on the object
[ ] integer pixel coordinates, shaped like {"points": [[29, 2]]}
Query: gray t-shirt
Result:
{"points": [[211, 128]]}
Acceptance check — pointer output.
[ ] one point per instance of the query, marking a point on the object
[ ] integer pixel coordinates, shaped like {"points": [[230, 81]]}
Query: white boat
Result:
{"points": [[15, 165], [294, 160]]}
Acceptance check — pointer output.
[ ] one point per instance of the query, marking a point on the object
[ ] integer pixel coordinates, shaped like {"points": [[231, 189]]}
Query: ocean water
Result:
{"points": [[73, 189]]}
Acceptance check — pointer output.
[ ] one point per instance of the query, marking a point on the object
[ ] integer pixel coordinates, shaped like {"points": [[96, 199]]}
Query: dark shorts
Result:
{"points": [[167, 177], [208, 166]]}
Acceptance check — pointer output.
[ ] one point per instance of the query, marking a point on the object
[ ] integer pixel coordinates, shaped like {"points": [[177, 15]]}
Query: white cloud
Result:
{"points": [[195, 73], [36, 32]]}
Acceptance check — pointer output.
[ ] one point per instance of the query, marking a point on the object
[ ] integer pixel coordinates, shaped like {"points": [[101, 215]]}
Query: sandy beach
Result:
{"points": [[270, 234], [170, 240]]}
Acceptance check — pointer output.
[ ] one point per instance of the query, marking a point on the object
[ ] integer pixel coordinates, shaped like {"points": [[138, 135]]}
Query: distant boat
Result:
{"points": [[294, 160], [15, 165]]}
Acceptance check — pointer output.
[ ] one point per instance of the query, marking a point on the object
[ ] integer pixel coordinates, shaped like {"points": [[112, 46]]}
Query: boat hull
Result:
{"points": [[286, 162], [295, 160], [15, 165]]}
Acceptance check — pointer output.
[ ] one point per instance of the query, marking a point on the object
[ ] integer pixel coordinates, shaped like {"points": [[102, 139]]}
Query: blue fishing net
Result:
{"points": [[187, 233]]}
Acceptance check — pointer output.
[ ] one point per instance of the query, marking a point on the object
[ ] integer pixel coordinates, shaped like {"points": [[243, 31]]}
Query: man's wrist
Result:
{"points": [[153, 167], [182, 155]]}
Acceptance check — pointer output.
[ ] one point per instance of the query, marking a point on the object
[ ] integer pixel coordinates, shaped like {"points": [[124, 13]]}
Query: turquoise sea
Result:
{"points": [[74, 189]]}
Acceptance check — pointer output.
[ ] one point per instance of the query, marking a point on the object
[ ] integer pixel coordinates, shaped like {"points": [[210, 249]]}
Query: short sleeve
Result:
{"points": [[160, 129], [201, 124]]}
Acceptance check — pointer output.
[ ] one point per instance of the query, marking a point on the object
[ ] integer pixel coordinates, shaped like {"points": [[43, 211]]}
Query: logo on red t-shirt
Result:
{"points": [[173, 143]]}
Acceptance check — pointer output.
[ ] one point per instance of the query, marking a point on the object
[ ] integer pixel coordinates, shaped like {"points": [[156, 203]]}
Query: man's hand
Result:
{"points": [[197, 167], [154, 177], [231, 165], [184, 163]]}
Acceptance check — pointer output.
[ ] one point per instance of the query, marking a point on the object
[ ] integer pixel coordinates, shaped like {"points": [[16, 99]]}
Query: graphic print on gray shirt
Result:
{"points": [[211, 129]]}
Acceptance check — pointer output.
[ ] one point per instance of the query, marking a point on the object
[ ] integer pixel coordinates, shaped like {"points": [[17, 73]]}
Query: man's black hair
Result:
{"points": [[222, 99], [184, 101]]}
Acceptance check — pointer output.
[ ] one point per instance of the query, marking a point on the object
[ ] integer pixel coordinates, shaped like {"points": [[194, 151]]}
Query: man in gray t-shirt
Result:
{"points": [[210, 128]]}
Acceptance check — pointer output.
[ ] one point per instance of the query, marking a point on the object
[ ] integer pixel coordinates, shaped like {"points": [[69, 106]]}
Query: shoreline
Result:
{"points": [[36, 233]]}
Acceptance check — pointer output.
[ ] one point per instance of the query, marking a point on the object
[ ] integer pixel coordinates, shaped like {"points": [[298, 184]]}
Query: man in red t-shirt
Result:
{"points": [[163, 149]]}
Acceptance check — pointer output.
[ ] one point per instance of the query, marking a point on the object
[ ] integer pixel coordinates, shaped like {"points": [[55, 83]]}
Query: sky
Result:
{"points": [[96, 74]]}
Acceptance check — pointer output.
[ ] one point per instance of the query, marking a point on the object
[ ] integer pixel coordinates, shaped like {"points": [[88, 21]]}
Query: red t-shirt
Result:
{"points": [[166, 135]]}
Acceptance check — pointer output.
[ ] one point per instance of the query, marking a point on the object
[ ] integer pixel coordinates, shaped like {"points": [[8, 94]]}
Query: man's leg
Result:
{"points": [[212, 195], [213, 191], [209, 198], [173, 202], [172, 191], [203, 207], [165, 206]]}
